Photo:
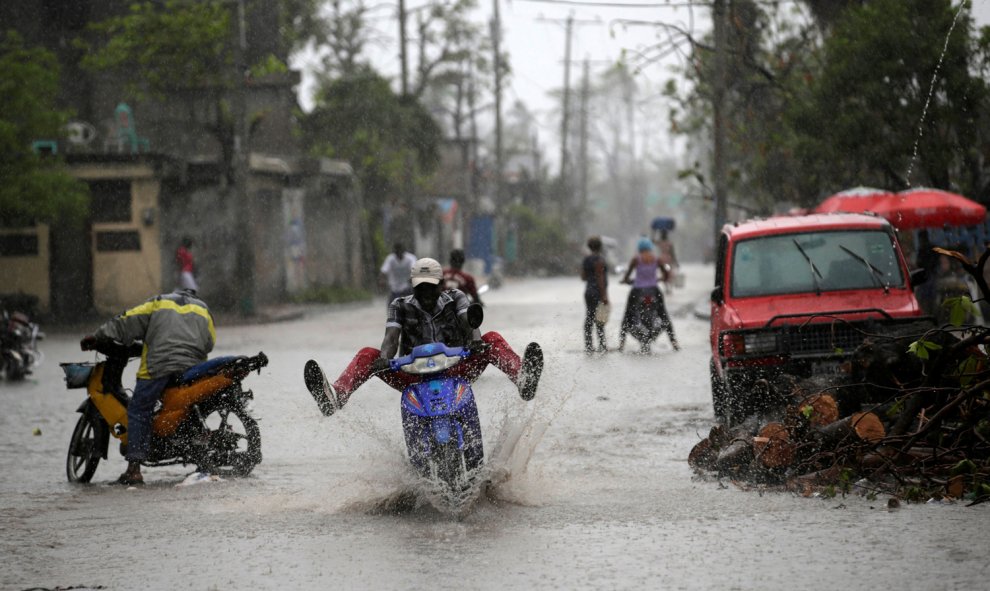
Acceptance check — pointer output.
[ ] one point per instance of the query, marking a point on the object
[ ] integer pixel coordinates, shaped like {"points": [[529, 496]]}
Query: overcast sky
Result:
{"points": [[534, 36]]}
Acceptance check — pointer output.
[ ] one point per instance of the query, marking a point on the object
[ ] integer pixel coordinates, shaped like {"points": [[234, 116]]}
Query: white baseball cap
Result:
{"points": [[426, 271]]}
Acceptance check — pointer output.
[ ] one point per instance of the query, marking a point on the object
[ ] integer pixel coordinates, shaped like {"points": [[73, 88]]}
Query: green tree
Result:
{"points": [[543, 244], [184, 50], [765, 54], [34, 188], [822, 105], [362, 120], [897, 104], [160, 48]]}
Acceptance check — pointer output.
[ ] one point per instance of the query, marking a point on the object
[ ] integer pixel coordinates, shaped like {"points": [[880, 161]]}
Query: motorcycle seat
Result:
{"points": [[208, 368]]}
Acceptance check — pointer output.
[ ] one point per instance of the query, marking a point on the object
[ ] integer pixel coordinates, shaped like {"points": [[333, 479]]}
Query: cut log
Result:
{"points": [[818, 409], [703, 455], [735, 457], [859, 426], [773, 447]]}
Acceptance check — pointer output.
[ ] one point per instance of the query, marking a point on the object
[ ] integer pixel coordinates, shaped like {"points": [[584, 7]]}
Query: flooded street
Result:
{"points": [[590, 483]]}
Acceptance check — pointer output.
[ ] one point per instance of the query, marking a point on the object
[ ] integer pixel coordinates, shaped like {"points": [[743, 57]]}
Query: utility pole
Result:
{"points": [[569, 23], [583, 133], [403, 58], [718, 111], [565, 115], [244, 206], [497, 60]]}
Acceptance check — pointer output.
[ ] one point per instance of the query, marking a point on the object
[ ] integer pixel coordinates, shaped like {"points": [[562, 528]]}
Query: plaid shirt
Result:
{"points": [[420, 327]]}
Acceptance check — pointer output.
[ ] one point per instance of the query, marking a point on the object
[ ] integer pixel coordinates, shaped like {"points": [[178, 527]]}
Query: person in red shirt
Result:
{"points": [[455, 278], [187, 267]]}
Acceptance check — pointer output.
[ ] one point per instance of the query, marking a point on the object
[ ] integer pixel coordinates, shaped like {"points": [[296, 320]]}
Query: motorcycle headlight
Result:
{"points": [[431, 364]]}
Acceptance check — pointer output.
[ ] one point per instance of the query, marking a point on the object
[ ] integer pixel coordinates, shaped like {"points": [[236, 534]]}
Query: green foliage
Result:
{"points": [[846, 481], [813, 109], [967, 369], [34, 189], [963, 467], [863, 114], [543, 242], [156, 48], [269, 65], [360, 119], [921, 348], [915, 494], [300, 22], [960, 308]]}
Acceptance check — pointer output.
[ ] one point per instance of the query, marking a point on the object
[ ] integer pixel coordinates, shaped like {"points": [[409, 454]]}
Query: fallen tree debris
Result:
{"points": [[909, 417]]}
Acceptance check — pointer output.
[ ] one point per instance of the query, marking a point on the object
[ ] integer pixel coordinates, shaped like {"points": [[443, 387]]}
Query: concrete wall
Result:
{"points": [[334, 233], [124, 277], [27, 273]]}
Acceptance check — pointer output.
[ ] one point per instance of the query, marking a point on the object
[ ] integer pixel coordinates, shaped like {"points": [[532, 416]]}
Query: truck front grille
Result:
{"points": [[825, 339]]}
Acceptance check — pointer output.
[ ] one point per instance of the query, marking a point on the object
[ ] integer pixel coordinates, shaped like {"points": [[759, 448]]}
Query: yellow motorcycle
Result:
{"points": [[203, 417]]}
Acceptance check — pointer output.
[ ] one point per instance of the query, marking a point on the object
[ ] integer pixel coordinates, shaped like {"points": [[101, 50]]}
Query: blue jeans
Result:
{"points": [[139, 413]]}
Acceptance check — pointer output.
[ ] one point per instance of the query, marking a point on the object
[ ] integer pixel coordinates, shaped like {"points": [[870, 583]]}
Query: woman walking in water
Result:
{"points": [[645, 264], [595, 292]]}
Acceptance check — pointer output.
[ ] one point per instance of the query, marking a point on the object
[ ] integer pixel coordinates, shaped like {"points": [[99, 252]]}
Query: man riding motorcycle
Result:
{"points": [[177, 331], [428, 315]]}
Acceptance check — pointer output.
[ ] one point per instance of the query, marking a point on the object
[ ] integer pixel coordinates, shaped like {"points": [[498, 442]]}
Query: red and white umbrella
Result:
{"points": [[930, 208], [856, 200], [908, 210]]}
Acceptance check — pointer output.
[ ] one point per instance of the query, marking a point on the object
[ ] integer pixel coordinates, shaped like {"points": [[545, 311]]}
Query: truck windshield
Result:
{"points": [[771, 265]]}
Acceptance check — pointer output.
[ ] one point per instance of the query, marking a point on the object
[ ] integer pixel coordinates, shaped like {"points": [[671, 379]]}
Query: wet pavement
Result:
{"points": [[590, 483]]}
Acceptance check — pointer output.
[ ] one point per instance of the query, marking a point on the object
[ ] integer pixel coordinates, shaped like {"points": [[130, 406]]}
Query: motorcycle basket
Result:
{"points": [[77, 374]]}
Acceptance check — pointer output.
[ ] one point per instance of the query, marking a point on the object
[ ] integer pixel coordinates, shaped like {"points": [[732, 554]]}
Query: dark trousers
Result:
{"points": [[140, 410], [591, 300]]}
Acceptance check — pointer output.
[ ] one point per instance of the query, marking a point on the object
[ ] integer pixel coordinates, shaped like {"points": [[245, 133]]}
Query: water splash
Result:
{"points": [[931, 92], [513, 433]]}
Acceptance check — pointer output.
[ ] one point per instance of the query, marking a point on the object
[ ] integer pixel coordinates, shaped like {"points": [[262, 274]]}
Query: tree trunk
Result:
{"points": [[735, 457], [773, 446], [818, 410], [859, 426]]}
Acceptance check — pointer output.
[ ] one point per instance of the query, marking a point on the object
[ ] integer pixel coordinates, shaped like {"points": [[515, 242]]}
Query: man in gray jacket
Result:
{"points": [[177, 331]]}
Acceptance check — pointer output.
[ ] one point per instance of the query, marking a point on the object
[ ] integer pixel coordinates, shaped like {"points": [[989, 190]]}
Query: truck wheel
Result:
{"points": [[720, 393]]}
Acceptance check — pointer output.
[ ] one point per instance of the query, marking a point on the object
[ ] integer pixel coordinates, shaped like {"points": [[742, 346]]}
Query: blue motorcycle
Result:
{"points": [[440, 416]]}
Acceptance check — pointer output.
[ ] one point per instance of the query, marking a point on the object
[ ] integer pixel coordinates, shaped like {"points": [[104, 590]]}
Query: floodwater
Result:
{"points": [[590, 487]]}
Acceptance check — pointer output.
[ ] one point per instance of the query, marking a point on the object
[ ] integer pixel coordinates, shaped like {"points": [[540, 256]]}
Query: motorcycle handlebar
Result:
{"points": [[111, 348]]}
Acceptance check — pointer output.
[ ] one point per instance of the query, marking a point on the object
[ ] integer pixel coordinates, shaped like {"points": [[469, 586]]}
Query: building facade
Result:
{"points": [[160, 169]]}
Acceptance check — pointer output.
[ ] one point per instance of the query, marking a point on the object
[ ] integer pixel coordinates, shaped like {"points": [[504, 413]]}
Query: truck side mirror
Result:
{"points": [[919, 276], [716, 296]]}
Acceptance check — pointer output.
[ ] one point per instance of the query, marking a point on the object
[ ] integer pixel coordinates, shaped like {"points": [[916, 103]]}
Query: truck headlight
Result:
{"points": [[760, 342]]}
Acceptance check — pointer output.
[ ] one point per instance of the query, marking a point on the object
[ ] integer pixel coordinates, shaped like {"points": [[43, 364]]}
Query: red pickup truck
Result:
{"points": [[797, 295]]}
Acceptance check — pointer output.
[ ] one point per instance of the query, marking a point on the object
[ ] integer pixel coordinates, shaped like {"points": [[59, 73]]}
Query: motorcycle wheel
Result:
{"points": [[234, 443], [83, 458], [449, 467], [16, 370]]}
